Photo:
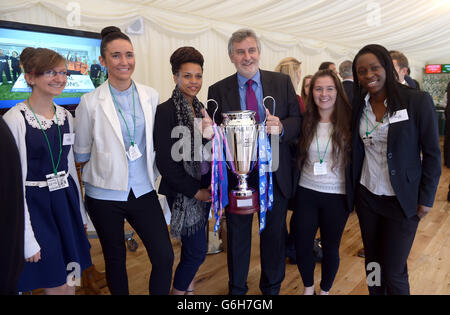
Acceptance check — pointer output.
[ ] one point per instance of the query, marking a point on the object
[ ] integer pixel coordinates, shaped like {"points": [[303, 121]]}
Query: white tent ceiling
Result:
{"points": [[310, 30], [420, 28]]}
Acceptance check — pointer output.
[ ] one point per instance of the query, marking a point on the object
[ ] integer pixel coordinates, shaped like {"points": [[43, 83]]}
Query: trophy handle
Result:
{"points": [[274, 105], [217, 107]]}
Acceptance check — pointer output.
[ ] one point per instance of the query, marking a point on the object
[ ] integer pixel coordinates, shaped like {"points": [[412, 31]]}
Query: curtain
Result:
{"points": [[310, 30]]}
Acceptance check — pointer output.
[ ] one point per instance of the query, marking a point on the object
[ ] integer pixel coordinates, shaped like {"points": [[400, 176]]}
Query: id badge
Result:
{"points": [[133, 153], [367, 141], [320, 168], [58, 181], [398, 116], [68, 139]]}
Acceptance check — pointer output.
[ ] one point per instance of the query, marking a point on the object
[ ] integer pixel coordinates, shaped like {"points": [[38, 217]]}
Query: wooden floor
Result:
{"points": [[428, 263]]}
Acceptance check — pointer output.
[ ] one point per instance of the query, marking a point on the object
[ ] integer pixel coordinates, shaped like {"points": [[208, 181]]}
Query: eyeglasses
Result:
{"points": [[53, 73]]}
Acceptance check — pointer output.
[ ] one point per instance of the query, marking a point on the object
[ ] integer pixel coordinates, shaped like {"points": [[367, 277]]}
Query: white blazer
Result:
{"points": [[97, 131]]}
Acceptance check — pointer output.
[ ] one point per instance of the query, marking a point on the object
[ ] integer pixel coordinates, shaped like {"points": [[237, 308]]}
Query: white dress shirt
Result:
{"points": [[375, 171]]}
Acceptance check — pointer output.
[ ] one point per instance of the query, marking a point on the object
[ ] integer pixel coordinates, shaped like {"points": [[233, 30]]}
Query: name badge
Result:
{"points": [[320, 168], [133, 153], [367, 141], [399, 115], [58, 181], [68, 139]]}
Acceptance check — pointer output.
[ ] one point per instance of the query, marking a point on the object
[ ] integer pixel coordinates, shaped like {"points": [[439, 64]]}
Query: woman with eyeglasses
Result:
{"points": [[56, 247], [114, 138], [320, 201]]}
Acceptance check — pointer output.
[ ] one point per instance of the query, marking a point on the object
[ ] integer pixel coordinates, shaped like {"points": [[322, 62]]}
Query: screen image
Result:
{"points": [[81, 50], [433, 69], [445, 68]]}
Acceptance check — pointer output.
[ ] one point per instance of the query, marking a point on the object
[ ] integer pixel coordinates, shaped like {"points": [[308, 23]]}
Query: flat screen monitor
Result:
{"points": [[445, 68], [81, 50], [433, 69]]}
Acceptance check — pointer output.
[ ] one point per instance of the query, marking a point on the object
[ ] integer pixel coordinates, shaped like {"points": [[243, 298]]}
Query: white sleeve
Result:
{"points": [[82, 128], [16, 124], [73, 170]]}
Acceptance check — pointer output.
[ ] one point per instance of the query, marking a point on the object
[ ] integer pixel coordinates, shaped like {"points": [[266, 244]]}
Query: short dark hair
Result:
{"points": [[183, 55], [109, 34], [325, 65]]}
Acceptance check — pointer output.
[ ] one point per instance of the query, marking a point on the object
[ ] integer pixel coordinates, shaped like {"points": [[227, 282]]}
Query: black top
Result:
{"points": [[414, 179], [11, 212], [174, 178]]}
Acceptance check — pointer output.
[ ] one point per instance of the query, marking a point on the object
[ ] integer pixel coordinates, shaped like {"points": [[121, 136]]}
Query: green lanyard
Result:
{"points": [[376, 126], [121, 114], [55, 168], [326, 148]]}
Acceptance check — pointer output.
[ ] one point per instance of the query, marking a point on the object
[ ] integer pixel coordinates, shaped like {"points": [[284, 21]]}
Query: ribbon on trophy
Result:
{"points": [[265, 173], [219, 178]]}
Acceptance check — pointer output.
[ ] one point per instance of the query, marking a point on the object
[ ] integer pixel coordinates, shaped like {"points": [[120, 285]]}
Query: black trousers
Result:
{"points": [[387, 237], [328, 212], [145, 215], [272, 248]]}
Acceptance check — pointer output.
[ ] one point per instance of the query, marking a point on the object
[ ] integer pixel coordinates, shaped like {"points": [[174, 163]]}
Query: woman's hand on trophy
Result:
{"points": [[207, 130], [203, 194], [273, 124]]}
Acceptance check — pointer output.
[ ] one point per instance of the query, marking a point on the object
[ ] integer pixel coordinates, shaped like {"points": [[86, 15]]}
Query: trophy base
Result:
{"points": [[243, 202]]}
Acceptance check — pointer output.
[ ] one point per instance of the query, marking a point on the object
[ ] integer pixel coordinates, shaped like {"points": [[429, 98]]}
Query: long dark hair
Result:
{"points": [[392, 85], [340, 118]]}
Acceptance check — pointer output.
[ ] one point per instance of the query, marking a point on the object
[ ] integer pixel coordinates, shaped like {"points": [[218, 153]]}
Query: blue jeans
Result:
{"points": [[193, 254]]}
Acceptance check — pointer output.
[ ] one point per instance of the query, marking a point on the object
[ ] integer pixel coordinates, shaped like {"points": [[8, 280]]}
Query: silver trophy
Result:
{"points": [[240, 131]]}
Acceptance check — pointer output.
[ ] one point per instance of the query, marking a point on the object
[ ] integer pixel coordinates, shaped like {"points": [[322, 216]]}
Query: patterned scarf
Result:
{"points": [[188, 214]]}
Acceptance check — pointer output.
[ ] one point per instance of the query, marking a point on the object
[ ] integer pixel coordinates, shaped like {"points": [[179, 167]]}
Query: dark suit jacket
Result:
{"points": [[414, 180], [279, 86], [174, 178], [348, 87], [447, 130], [411, 82], [11, 212]]}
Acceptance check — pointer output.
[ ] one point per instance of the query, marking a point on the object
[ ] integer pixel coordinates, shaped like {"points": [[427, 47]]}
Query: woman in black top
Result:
{"points": [[184, 172], [396, 165]]}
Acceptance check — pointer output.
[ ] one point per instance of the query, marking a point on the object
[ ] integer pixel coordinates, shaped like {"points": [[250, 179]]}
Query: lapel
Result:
{"points": [[233, 101], [107, 105], [268, 90], [395, 128], [147, 108]]}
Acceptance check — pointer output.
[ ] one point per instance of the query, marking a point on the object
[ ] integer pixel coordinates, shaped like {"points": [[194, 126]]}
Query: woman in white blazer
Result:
{"points": [[114, 128]]}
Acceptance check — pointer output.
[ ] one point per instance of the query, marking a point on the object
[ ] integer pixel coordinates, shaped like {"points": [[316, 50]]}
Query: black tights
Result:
{"points": [[328, 212]]}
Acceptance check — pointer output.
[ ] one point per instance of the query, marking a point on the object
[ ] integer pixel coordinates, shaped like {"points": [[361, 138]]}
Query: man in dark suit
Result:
{"points": [[11, 213], [345, 71], [283, 122]]}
